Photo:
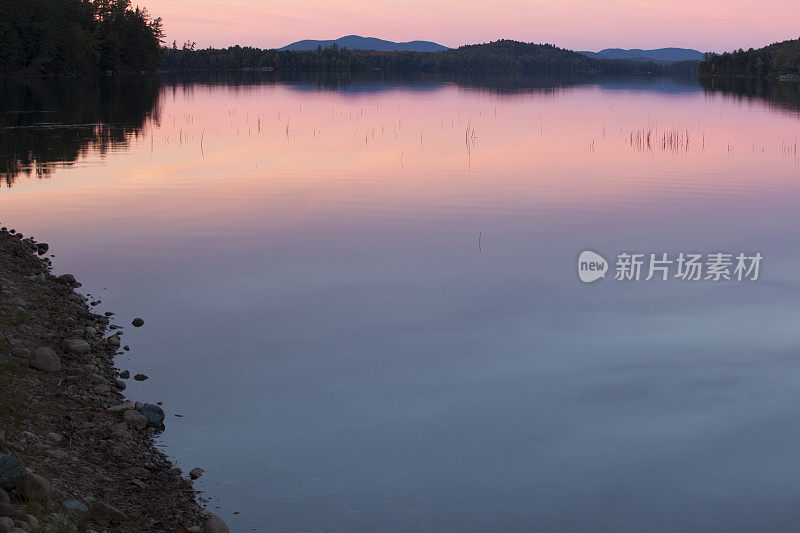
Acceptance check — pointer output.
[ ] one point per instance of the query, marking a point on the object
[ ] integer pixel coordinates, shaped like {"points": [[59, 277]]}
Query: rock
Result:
{"points": [[7, 524], [124, 406], [119, 384], [214, 524], [59, 455], [20, 352], [54, 437], [77, 298], [29, 436], [10, 469], [17, 301], [77, 346], [105, 513], [12, 511], [134, 419], [120, 430], [140, 377], [119, 449], [42, 248], [31, 521], [137, 471], [33, 487], [46, 359], [137, 322], [67, 279], [196, 472], [4, 496], [125, 374], [154, 414], [113, 341], [75, 506]]}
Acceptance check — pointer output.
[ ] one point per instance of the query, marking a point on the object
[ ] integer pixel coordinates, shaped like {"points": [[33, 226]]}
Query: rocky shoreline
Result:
{"points": [[75, 454]]}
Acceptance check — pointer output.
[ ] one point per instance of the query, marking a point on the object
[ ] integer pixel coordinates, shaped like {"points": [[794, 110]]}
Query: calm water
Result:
{"points": [[362, 294]]}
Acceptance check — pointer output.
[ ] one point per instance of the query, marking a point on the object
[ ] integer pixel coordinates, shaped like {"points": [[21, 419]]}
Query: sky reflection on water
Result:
{"points": [[347, 358]]}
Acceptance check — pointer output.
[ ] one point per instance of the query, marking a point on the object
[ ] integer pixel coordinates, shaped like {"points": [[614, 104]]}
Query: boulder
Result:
{"points": [[10, 469], [77, 346], [105, 513], [134, 419], [20, 352], [57, 454], [214, 524], [46, 359], [124, 406], [68, 279], [75, 506], [33, 487], [154, 414], [137, 322]]}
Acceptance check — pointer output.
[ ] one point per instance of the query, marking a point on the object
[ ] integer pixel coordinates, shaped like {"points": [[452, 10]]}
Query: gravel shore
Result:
{"points": [[75, 454]]}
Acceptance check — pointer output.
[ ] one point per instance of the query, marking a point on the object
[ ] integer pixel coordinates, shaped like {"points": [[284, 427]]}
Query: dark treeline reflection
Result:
{"points": [[377, 81], [780, 95], [47, 122]]}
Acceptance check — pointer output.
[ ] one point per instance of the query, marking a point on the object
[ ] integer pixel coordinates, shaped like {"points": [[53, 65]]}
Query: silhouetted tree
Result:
{"points": [[77, 37]]}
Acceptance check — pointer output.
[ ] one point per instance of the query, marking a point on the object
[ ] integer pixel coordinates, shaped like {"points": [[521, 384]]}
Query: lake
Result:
{"points": [[362, 296]]}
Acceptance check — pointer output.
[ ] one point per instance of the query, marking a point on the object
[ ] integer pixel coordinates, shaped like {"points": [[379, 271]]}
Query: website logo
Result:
{"points": [[591, 266]]}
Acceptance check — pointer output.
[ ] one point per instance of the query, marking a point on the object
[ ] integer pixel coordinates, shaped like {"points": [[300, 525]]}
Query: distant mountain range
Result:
{"points": [[661, 55], [356, 42], [498, 57]]}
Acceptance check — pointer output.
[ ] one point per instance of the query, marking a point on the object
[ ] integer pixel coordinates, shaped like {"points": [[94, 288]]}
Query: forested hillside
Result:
{"points": [[497, 57], [770, 61], [76, 37]]}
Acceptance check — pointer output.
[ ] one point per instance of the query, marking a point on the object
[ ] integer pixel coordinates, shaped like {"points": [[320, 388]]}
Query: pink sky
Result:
{"points": [[716, 25]]}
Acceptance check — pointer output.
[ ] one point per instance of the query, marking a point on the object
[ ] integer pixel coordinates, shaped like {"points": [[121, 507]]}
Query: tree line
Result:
{"points": [[502, 56], [77, 37], [774, 60], [90, 36]]}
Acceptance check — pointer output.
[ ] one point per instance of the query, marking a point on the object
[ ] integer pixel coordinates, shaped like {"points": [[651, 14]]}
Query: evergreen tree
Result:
{"points": [[77, 37]]}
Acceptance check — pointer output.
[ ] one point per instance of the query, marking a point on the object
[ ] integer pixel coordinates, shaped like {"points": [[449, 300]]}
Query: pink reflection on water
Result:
{"points": [[282, 156]]}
